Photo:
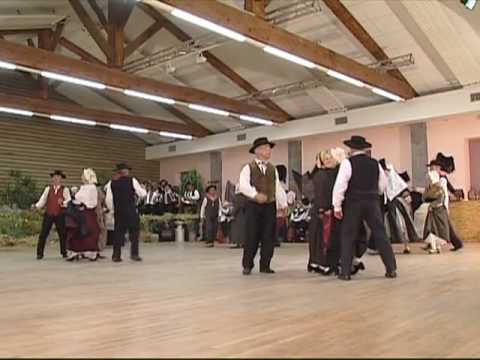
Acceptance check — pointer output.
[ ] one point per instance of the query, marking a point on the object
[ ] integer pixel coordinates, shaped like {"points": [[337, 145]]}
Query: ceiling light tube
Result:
{"points": [[16, 111], [345, 78], [208, 109], [208, 25], [387, 94], [146, 96], [256, 120], [73, 120], [73, 80], [7, 65], [290, 57], [129, 128], [175, 135]]}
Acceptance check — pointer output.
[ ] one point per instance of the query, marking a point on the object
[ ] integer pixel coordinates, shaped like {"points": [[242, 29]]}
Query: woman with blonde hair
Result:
{"points": [[323, 229], [83, 239]]}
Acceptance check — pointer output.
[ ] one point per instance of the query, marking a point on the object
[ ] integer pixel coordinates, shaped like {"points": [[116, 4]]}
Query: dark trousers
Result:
{"points": [[355, 213], [119, 238], [260, 228], [454, 239], [47, 224], [211, 229]]}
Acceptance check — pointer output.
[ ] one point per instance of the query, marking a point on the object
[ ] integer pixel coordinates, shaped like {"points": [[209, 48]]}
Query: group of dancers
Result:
{"points": [[350, 193]]}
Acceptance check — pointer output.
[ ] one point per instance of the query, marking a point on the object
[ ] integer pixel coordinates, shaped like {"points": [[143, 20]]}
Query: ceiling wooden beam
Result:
{"points": [[143, 38], [266, 33], [99, 12], [118, 13], [45, 38], [56, 35], [21, 31], [256, 6], [45, 60], [359, 32], [214, 61], [65, 109], [83, 54], [91, 27]]}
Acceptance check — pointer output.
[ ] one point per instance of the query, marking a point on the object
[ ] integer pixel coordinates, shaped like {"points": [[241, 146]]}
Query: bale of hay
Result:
{"points": [[464, 218]]}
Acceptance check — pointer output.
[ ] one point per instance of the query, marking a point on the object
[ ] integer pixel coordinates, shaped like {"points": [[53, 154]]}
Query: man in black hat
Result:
{"points": [[120, 198], [359, 183], [54, 199], [259, 183]]}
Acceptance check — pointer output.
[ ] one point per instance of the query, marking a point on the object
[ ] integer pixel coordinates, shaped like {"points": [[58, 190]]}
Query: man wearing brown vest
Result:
{"points": [[259, 183], [55, 199]]}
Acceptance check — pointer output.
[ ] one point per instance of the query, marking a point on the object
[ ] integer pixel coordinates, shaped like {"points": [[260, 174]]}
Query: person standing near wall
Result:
{"points": [[54, 199], [210, 211], [260, 184]]}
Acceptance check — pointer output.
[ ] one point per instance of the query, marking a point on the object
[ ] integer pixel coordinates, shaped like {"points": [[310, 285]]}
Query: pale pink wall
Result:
{"points": [[451, 137], [233, 159], [170, 169], [390, 142]]}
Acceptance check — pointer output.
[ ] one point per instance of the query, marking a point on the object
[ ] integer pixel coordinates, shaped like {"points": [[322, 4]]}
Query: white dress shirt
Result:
{"points": [[43, 199], [151, 197], [191, 196], [139, 190], [87, 195], [249, 191], [395, 184], [204, 205], [343, 178], [446, 201]]}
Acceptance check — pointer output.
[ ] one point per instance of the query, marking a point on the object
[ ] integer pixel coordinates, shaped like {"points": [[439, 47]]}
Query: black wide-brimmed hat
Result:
{"points": [[446, 163], [122, 166], [404, 175], [59, 173], [358, 143], [259, 142]]}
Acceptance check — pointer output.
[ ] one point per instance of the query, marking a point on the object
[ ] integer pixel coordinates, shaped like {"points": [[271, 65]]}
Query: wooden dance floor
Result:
{"points": [[190, 301]]}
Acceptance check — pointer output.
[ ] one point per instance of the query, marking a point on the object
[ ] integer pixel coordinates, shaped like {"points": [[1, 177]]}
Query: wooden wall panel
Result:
{"points": [[38, 146]]}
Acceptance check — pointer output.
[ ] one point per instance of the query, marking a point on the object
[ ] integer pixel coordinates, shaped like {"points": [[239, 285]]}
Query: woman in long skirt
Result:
{"points": [[83, 242]]}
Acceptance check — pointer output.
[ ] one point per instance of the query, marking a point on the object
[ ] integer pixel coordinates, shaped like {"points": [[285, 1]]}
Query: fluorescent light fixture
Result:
{"points": [[73, 120], [208, 109], [387, 94], [7, 65], [345, 78], [148, 96], [256, 120], [175, 135], [73, 80], [290, 57], [15, 111], [208, 25], [129, 128]]}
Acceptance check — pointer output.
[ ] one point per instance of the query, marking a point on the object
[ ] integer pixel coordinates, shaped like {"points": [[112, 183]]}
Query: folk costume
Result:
{"points": [[260, 177], [359, 182], [54, 199], [399, 216], [190, 200], [210, 212], [121, 197], [238, 231], [85, 244]]}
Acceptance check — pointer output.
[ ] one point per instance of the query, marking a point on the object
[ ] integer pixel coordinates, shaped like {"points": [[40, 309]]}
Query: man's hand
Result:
{"points": [[261, 198], [338, 214]]}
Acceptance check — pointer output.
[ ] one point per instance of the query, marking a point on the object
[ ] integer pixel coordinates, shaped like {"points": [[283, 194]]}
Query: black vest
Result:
{"points": [[211, 209], [363, 184], [124, 198]]}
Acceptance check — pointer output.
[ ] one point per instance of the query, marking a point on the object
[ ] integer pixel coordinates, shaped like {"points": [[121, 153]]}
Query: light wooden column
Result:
{"points": [[294, 160], [216, 170], [419, 144]]}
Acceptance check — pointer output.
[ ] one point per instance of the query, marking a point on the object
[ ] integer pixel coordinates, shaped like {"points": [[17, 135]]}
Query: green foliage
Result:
{"points": [[193, 177], [19, 227], [103, 177], [21, 191]]}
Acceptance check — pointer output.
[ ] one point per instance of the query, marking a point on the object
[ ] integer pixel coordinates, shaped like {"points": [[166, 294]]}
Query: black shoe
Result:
{"points": [[136, 258], [267, 271], [101, 257], [39, 257], [246, 271], [64, 256], [93, 259], [311, 268], [457, 248], [209, 245], [278, 245], [391, 274], [344, 277], [407, 251], [115, 259], [357, 268]]}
